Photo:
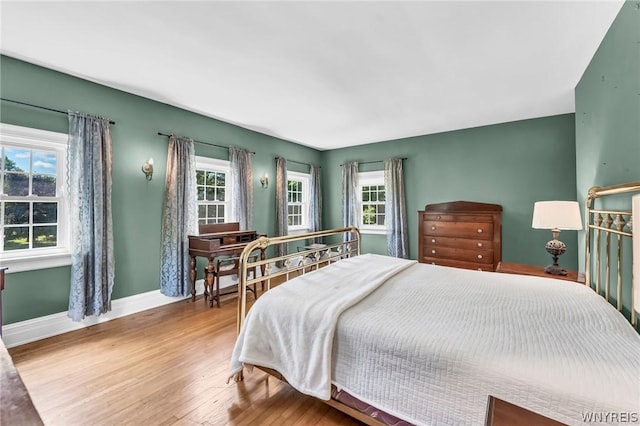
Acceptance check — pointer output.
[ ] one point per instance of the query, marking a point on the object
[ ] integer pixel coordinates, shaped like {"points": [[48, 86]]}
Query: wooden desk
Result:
{"points": [[212, 245], [2, 269], [538, 271]]}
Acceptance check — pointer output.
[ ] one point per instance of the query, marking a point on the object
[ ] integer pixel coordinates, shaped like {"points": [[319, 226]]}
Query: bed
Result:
{"points": [[411, 343]]}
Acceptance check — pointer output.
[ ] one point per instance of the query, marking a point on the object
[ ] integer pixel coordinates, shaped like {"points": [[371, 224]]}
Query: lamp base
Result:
{"points": [[555, 270]]}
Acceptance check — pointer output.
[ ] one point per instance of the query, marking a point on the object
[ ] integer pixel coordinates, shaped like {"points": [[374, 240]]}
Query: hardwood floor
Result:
{"points": [[165, 366]]}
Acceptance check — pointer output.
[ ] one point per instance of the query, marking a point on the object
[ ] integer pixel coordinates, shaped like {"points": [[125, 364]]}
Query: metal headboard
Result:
{"points": [[602, 225], [309, 258]]}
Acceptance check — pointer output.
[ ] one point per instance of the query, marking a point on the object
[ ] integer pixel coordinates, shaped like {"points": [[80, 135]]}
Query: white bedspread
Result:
{"points": [[433, 342], [291, 330]]}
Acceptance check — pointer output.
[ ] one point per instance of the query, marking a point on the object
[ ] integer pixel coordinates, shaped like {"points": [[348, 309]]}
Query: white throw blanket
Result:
{"points": [[291, 328]]}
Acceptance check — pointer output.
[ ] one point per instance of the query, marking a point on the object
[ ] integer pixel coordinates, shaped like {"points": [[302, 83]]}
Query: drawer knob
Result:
{"points": [[479, 244], [433, 240], [433, 228], [479, 230], [433, 263], [433, 252], [479, 256], [480, 269], [439, 217]]}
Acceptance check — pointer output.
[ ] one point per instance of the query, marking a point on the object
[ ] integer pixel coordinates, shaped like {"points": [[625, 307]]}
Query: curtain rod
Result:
{"points": [[200, 142], [41, 107], [295, 161], [376, 161]]}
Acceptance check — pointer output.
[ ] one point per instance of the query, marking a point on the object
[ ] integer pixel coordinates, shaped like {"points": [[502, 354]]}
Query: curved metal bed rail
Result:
{"points": [[310, 258], [604, 224]]}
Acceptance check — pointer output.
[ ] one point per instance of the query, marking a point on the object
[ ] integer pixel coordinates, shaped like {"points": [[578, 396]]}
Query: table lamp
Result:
{"points": [[557, 216]]}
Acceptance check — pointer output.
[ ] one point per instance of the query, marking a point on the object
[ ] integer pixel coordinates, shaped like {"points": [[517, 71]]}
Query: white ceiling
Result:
{"points": [[324, 74]]}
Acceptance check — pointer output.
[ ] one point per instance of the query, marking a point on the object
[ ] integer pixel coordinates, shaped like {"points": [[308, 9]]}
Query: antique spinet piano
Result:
{"points": [[220, 239]]}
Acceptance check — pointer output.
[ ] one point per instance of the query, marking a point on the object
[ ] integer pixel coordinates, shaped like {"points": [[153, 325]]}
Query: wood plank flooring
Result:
{"points": [[165, 366]]}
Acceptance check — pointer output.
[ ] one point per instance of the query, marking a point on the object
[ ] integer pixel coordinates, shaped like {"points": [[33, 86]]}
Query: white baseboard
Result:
{"points": [[34, 329]]}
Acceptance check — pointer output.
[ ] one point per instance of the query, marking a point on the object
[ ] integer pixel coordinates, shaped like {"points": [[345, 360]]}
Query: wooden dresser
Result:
{"points": [[462, 234]]}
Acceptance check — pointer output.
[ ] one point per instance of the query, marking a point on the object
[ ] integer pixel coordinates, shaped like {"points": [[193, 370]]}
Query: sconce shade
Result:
{"points": [[147, 169], [563, 215]]}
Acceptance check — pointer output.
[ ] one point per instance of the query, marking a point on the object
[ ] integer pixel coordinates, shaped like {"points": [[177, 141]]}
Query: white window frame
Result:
{"points": [[216, 165], [50, 257], [304, 178], [369, 179]]}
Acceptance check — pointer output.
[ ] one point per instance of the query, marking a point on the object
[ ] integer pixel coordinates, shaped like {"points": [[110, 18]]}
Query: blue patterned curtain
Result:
{"points": [[282, 226], [89, 157], [350, 194], [180, 217], [315, 201], [242, 183], [395, 213]]}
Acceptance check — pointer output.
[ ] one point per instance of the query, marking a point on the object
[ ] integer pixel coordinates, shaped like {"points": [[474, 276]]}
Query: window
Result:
{"points": [[211, 181], [33, 201], [297, 201], [372, 202]]}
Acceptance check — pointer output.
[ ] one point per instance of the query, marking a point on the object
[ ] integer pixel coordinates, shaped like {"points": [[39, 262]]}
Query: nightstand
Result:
{"points": [[537, 271]]}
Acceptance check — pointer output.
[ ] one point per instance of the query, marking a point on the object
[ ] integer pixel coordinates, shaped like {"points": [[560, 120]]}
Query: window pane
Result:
{"points": [[16, 184], [365, 196], [45, 162], [202, 221], [211, 178], [202, 211], [16, 238], [381, 208], [45, 212], [220, 179], [381, 220], [16, 213], [44, 185], [221, 213], [212, 211], [368, 214], [374, 196], [381, 196], [220, 194], [17, 159], [45, 236], [211, 194], [200, 177], [200, 193]]}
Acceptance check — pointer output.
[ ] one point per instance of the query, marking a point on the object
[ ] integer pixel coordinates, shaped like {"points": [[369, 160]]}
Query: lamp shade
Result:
{"points": [[556, 215]]}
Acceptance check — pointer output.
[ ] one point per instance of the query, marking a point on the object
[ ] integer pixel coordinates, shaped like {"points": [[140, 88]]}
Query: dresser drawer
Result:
{"points": [[476, 255], [458, 264], [481, 231], [452, 217], [463, 243]]}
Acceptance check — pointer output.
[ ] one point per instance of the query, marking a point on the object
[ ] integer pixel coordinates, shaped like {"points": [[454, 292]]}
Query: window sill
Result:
{"points": [[33, 262], [373, 231], [297, 231]]}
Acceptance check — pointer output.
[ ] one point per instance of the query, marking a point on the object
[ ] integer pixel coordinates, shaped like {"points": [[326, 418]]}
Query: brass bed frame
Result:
{"points": [[602, 224]]}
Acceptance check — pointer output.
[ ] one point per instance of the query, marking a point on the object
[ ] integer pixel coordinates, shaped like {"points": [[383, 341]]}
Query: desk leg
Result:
{"points": [[192, 278], [209, 283]]}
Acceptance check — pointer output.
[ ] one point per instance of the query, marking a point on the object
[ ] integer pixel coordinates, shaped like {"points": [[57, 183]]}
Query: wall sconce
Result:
{"points": [[264, 180], [147, 169]]}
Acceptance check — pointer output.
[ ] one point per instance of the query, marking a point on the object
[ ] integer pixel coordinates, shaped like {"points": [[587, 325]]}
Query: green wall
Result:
{"points": [[608, 107], [511, 164], [137, 204], [608, 118]]}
